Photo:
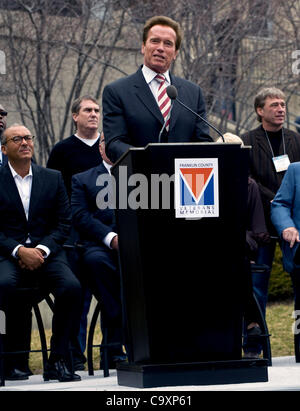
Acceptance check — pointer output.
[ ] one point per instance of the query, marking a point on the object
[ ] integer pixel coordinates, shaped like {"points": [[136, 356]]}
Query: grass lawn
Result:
{"points": [[279, 320]]}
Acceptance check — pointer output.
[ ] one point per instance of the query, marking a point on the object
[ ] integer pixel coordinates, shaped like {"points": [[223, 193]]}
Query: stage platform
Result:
{"points": [[284, 375]]}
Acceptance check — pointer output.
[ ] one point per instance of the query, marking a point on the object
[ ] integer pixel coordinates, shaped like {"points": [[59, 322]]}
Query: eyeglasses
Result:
{"points": [[19, 139], [3, 113]]}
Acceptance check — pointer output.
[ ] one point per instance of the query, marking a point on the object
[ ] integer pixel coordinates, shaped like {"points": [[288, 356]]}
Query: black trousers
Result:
{"points": [[55, 277], [103, 279], [250, 308]]}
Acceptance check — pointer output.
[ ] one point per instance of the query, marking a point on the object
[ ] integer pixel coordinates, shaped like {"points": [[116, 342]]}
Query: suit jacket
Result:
{"points": [[262, 169], [285, 211], [131, 116], [49, 217], [92, 223]]}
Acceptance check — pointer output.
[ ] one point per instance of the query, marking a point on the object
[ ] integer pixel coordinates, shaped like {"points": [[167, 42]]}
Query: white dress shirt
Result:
{"points": [[88, 141], [150, 75], [24, 188], [108, 238]]}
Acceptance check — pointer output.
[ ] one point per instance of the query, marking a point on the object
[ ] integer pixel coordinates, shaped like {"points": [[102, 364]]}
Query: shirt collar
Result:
{"points": [[107, 166], [15, 174], [150, 74]]}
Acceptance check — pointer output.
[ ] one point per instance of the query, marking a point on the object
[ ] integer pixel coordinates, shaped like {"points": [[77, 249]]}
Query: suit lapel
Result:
{"points": [[146, 97], [262, 141], [36, 190], [176, 107], [288, 143], [11, 190]]}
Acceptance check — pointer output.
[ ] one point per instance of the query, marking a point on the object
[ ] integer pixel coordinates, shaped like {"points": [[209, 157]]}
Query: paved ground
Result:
{"points": [[284, 375]]}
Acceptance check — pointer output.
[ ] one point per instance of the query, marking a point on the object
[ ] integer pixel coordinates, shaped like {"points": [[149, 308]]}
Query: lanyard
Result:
{"points": [[283, 142]]}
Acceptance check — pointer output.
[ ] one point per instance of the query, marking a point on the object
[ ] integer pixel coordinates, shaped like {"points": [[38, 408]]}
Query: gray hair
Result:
{"points": [[5, 132], [264, 93], [77, 104]]}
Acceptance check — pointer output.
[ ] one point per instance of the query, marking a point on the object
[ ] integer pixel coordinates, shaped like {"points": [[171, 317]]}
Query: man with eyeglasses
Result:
{"points": [[3, 117], [36, 223]]}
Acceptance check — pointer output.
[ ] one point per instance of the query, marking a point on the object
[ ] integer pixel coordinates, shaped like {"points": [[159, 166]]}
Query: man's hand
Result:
{"points": [[291, 235], [115, 243], [30, 258]]}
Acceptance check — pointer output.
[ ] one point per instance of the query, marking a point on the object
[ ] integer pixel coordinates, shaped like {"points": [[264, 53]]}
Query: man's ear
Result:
{"points": [[143, 48], [259, 111], [3, 149], [74, 116]]}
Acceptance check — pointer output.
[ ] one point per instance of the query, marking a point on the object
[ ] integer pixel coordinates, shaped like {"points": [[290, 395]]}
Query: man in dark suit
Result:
{"points": [[136, 108], [3, 117], [97, 231], [36, 222]]}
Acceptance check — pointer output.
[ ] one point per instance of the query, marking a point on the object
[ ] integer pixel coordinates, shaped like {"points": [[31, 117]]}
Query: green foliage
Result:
{"points": [[280, 287]]}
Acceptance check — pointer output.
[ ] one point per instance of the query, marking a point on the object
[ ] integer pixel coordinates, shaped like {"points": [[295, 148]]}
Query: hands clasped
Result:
{"points": [[30, 258]]}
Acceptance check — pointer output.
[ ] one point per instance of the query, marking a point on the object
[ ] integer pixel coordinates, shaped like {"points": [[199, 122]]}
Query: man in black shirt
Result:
{"points": [[73, 155], [273, 148], [78, 152]]}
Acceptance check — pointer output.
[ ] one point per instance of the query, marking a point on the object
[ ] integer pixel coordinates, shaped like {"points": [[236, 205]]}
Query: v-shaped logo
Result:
{"points": [[196, 180]]}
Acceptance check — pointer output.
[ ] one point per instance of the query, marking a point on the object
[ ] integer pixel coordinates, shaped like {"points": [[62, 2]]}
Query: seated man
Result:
{"points": [[35, 223], [256, 234], [96, 228], [285, 214]]}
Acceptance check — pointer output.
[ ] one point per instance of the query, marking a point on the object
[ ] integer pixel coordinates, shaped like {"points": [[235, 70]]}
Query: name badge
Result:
{"points": [[281, 163]]}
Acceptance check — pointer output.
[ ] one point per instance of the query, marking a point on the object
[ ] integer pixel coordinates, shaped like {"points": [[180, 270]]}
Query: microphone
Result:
{"points": [[173, 93], [165, 123]]}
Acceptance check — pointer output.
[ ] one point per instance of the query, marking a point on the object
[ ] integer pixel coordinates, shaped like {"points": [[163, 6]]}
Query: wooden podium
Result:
{"points": [[182, 275]]}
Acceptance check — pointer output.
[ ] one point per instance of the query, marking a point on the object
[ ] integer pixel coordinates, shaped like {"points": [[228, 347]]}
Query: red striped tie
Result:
{"points": [[164, 101]]}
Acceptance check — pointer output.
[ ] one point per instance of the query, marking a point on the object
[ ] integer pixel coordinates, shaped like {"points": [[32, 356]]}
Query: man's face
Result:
{"points": [[2, 119], [88, 117], [273, 113], [18, 151], [159, 50]]}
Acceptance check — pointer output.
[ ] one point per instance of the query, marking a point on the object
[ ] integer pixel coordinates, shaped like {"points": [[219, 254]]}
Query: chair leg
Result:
{"points": [[50, 302], [91, 338], [105, 352], [42, 334], [266, 346]]}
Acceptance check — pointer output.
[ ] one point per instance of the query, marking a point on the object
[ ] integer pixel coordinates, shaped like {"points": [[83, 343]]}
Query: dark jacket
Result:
{"points": [[91, 222], [49, 217], [131, 116], [262, 168]]}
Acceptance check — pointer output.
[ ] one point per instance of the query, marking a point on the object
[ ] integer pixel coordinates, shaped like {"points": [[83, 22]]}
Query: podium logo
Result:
{"points": [[196, 188]]}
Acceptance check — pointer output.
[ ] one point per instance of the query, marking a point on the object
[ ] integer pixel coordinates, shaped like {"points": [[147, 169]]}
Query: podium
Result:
{"points": [[181, 218]]}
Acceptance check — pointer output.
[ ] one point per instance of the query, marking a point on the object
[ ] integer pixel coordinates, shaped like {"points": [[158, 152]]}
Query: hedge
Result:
{"points": [[280, 286]]}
